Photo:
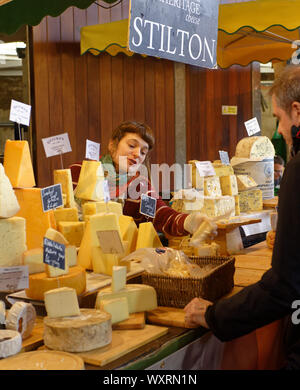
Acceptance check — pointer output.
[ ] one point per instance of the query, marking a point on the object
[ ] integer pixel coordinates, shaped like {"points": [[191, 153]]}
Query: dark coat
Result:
{"points": [[270, 298]]}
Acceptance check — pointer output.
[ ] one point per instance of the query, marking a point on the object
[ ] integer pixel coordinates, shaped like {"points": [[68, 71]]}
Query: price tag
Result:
{"points": [[148, 206], [224, 157], [19, 112], [106, 192], [252, 127], [92, 150], [56, 145], [110, 241], [205, 168], [54, 253], [14, 278], [52, 197]]}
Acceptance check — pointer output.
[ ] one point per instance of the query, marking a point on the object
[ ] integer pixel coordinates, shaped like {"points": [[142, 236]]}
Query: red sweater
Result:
{"points": [[166, 220]]}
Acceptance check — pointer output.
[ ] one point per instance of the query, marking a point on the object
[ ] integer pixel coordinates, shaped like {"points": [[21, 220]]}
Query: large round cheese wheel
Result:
{"points": [[10, 342], [21, 317], [255, 147], [43, 360], [91, 330], [40, 283]]}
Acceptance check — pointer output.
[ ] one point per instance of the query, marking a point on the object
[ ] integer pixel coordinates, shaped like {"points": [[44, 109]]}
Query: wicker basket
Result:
{"points": [[177, 292]]}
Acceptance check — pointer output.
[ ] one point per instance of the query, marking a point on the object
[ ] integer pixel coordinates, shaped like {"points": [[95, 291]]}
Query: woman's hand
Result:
{"points": [[270, 238], [195, 313], [201, 227]]}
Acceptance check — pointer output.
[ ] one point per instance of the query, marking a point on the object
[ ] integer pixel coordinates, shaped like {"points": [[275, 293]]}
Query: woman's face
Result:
{"points": [[131, 153]]}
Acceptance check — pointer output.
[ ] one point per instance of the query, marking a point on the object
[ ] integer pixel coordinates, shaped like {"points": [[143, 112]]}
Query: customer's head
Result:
{"points": [[278, 168], [130, 145], [285, 94]]}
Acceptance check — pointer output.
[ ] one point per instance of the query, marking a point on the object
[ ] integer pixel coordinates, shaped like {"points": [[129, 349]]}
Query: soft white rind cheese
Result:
{"points": [[21, 317], [10, 343]]}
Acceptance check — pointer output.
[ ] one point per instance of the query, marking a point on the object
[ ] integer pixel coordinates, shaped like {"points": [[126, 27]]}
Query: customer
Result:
{"points": [[272, 297], [278, 172], [127, 169]]}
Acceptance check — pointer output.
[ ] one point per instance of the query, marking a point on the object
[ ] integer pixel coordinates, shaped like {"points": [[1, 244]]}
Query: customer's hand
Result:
{"points": [[270, 238], [195, 313]]}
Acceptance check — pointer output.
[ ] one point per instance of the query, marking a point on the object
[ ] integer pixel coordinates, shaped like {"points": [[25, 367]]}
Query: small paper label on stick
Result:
{"points": [[58, 144], [110, 241]]}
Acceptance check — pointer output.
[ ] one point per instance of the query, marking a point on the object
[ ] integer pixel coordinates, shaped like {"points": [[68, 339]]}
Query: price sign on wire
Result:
{"points": [[224, 157], [252, 127], [92, 150], [14, 278], [53, 253], [20, 112], [205, 168], [52, 197]]}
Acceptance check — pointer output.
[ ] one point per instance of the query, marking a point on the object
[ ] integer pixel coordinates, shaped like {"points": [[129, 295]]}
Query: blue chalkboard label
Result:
{"points": [[148, 206], [52, 197], [53, 253]]}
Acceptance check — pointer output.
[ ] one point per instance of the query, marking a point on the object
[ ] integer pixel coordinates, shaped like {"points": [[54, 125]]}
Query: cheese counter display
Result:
{"points": [[97, 305]]}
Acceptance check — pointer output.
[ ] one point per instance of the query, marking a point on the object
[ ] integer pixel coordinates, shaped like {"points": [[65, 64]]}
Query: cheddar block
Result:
{"points": [[72, 231], [118, 278], [117, 308], [67, 214], [37, 221], [245, 182], [108, 224], [140, 297], [61, 302], [91, 208], [64, 177], [255, 147], [103, 263], [9, 205], [212, 186], [12, 241], [129, 231], [222, 169], [40, 283], [250, 200], [18, 165], [90, 182], [229, 185], [147, 236]]}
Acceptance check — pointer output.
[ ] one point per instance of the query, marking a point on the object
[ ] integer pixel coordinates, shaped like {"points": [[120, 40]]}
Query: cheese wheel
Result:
{"points": [[43, 360], [2, 314], [255, 147], [40, 283], [91, 330], [10, 342], [21, 317]]}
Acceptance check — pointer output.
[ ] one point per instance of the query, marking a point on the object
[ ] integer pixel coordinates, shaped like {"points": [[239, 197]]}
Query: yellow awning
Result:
{"points": [[261, 30]]}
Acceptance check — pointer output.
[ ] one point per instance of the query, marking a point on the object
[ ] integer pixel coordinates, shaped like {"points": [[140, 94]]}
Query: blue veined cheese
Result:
{"points": [[229, 185], [245, 182], [212, 186], [255, 147], [251, 200], [237, 204], [219, 206]]}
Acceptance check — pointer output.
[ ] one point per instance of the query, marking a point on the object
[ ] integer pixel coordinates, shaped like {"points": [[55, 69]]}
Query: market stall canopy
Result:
{"points": [[18, 13], [261, 30]]}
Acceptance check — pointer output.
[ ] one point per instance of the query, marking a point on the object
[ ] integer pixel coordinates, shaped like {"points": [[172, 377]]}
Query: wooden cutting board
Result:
{"points": [[135, 321], [170, 316], [123, 342], [244, 277], [253, 262]]}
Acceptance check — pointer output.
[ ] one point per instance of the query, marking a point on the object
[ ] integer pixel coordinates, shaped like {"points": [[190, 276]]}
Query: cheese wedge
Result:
{"points": [[72, 231], [140, 297], [69, 214], [12, 241], [9, 205], [18, 165], [129, 231], [255, 147], [117, 308], [90, 182], [229, 185], [61, 302], [119, 275], [147, 236]]}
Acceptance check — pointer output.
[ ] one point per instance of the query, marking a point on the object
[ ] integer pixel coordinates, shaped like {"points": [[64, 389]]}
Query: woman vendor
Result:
{"points": [[127, 170]]}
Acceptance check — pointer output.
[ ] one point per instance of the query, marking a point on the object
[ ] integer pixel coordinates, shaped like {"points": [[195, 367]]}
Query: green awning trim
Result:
{"points": [[18, 13]]}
